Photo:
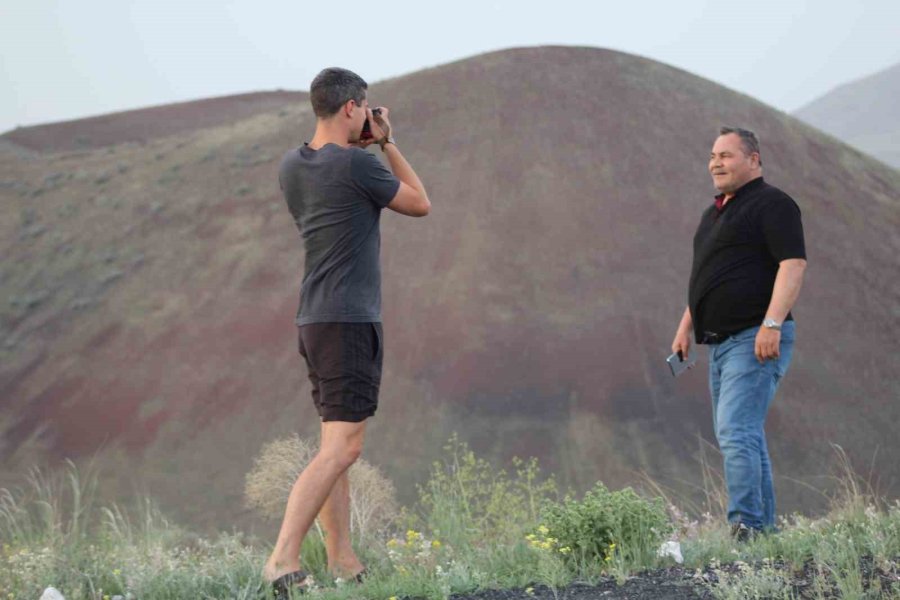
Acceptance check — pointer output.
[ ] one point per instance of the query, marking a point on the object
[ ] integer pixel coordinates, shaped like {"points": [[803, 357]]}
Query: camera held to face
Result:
{"points": [[366, 133]]}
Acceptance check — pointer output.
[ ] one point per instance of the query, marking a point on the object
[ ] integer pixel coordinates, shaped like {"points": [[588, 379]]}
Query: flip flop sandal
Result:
{"points": [[361, 576], [288, 584]]}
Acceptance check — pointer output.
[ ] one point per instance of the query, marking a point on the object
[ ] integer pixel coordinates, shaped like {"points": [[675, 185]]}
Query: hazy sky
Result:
{"points": [[63, 59]]}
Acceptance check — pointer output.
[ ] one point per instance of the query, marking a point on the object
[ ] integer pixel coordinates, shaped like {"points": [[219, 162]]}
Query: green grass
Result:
{"points": [[475, 526]]}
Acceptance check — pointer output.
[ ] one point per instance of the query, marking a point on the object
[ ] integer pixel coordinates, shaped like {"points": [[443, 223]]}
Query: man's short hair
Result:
{"points": [[749, 141], [333, 87]]}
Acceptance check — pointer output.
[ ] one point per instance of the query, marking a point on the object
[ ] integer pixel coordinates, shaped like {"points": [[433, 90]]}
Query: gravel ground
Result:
{"points": [[677, 583], [673, 583]]}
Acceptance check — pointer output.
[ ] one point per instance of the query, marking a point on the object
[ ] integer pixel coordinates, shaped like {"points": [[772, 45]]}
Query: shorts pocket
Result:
{"points": [[377, 341]]}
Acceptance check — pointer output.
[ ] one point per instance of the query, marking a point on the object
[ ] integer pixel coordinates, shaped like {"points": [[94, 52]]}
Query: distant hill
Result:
{"points": [[864, 113], [148, 289], [146, 124]]}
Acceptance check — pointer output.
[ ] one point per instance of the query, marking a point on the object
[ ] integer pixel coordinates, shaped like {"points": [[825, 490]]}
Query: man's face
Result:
{"points": [[357, 119], [729, 166]]}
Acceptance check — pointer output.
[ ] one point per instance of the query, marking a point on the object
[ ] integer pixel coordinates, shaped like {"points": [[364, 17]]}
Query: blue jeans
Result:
{"points": [[742, 390]]}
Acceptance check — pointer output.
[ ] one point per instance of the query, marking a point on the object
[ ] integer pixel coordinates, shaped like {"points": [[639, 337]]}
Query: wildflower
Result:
{"points": [[117, 572], [412, 535], [435, 544], [543, 530], [529, 591], [565, 550], [530, 537], [392, 543]]}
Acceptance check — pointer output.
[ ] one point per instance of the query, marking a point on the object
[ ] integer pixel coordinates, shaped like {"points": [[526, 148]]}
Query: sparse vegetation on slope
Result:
{"points": [[476, 529]]}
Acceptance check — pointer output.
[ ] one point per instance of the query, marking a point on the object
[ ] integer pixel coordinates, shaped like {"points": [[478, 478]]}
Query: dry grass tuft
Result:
{"points": [[373, 501]]}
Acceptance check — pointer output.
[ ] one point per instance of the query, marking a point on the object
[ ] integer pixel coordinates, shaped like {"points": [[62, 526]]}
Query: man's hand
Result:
{"points": [[379, 124], [768, 344], [682, 343]]}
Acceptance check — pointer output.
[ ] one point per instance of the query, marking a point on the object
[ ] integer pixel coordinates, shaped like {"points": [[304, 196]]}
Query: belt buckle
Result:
{"points": [[711, 337]]}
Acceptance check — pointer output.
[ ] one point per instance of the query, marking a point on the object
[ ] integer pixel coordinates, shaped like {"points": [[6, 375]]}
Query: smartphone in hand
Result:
{"points": [[679, 364]]}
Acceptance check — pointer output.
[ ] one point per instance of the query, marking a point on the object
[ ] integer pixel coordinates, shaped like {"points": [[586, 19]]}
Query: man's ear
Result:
{"points": [[348, 108], [754, 158]]}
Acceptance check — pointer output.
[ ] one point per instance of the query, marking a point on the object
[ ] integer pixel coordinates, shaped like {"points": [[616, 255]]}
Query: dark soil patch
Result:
{"points": [[678, 583], [674, 583]]}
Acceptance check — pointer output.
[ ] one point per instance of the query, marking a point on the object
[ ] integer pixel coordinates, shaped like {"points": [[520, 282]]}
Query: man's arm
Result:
{"points": [[788, 282], [411, 199], [682, 341]]}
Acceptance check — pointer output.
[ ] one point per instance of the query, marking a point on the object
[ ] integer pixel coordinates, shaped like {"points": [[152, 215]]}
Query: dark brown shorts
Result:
{"points": [[344, 361]]}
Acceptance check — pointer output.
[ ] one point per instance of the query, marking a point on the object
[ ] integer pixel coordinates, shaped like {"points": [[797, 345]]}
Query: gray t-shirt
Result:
{"points": [[335, 195]]}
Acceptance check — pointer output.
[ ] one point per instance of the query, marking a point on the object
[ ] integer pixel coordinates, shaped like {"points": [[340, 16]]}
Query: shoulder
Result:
{"points": [[772, 197], [290, 157], [363, 163], [360, 156]]}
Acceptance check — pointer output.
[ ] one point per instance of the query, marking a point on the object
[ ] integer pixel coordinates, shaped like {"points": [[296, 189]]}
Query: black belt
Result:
{"points": [[711, 337]]}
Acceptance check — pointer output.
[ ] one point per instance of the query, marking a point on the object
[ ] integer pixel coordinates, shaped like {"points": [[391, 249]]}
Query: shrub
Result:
{"points": [[467, 498], [373, 503], [605, 524]]}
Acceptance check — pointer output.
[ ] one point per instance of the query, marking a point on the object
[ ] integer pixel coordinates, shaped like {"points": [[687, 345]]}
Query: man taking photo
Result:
{"points": [[749, 259], [335, 191]]}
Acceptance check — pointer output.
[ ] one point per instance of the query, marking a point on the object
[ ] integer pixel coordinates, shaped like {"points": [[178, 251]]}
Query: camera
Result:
{"points": [[366, 133]]}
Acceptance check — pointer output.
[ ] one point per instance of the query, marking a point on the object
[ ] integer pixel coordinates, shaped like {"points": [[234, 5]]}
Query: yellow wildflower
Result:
{"points": [[435, 544], [392, 543], [565, 550], [543, 530]]}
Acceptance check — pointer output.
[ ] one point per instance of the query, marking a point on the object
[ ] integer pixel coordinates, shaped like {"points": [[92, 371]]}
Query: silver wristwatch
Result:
{"points": [[772, 324]]}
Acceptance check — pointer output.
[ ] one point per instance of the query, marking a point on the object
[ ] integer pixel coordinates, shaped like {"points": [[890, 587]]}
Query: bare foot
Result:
{"points": [[347, 568], [273, 570]]}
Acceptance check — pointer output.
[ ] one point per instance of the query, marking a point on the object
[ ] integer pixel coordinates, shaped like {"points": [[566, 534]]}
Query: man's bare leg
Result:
{"points": [[341, 446], [335, 519]]}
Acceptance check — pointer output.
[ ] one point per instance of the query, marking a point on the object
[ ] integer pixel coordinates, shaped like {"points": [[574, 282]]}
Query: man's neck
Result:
{"points": [[729, 195], [329, 134]]}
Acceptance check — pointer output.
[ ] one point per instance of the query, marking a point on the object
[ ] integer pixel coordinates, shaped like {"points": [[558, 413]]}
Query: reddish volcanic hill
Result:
{"points": [[149, 290]]}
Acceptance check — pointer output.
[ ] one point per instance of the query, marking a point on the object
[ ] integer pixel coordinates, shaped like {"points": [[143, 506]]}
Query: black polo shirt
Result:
{"points": [[737, 250]]}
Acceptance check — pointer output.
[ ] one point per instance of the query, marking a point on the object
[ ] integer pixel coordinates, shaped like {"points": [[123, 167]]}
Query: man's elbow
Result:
{"points": [[798, 264], [423, 207]]}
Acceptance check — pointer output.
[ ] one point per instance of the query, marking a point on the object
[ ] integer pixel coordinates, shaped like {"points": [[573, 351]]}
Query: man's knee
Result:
{"points": [[342, 455], [734, 439]]}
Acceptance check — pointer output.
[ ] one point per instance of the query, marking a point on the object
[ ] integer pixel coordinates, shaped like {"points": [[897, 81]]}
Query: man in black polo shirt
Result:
{"points": [[749, 259], [336, 191]]}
